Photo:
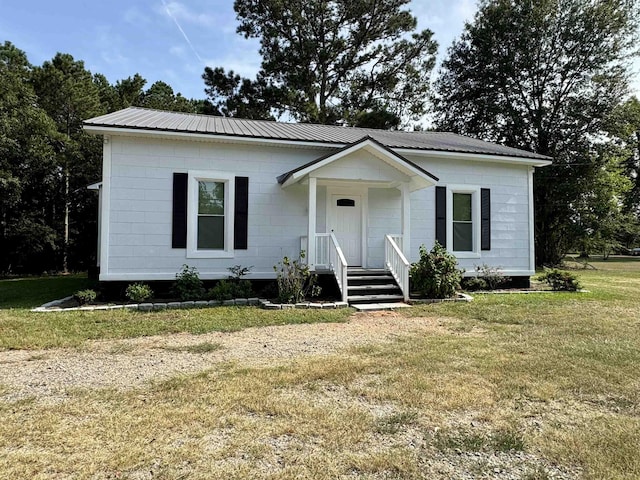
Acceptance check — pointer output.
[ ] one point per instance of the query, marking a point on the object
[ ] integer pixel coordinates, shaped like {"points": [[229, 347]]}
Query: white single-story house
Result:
{"points": [[214, 192]]}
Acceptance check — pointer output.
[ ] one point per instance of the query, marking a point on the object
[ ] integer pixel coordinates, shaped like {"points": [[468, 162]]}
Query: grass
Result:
{"points": [[22, 329], [553, 377], [31, 292]]}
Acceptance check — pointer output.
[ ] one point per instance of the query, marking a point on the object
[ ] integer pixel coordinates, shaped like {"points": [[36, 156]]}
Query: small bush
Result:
{"points": [[139, 292], [233, 287], [188, 285], [295, 281], [487, 278], [474, 283], [85, 296], [436, 274], [560, 280]]}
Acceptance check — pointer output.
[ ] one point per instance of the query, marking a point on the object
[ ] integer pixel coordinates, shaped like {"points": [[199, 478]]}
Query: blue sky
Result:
{"points": [[170, 40]]}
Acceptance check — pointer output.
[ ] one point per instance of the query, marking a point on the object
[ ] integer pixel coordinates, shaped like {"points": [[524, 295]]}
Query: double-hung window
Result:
{"points": [[210, 215], [210, 210], [463, 220]]}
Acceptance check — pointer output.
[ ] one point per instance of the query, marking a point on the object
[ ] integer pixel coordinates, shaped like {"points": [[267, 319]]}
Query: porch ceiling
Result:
{"points": [[409, 172]]}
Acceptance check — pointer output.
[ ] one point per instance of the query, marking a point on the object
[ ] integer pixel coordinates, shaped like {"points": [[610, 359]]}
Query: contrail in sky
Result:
{"points": [[166, 7]]}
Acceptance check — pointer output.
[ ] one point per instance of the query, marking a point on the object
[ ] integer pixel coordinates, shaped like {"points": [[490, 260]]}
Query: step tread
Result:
{"points": [[366, 270], [374, 287], [369, 277], [373, 298]]}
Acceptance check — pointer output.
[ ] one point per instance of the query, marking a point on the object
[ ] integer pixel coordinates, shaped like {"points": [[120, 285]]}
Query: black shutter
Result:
{"points": [[241, 214], [485, 219], [179, 221], [441, 215]]}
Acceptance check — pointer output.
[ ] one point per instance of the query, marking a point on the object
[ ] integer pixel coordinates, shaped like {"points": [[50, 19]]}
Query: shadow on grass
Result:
{"points": [[32, 292]]}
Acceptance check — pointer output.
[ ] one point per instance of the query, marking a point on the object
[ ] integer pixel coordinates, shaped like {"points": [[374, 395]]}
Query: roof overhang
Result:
{"points": [[485, 157], [98, 129], [419, 178]]}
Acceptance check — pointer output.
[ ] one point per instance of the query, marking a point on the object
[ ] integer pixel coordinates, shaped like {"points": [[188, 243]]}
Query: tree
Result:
{"points": [[328, 61], [542, 76], [27, 166], [624, 127], [67, 92], [234, 96], [161, 97]]}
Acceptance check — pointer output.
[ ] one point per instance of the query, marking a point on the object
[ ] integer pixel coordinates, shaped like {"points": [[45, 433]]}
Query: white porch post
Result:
{"points": [[311, 233], [406, 220]]}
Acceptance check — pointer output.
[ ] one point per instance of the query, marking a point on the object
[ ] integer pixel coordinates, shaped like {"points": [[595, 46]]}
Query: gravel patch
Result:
{"points": [[130, 363]]}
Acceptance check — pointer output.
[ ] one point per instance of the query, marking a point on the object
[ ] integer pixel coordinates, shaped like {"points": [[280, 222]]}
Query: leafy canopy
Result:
{"points": [[329, 61], [542, 76]]}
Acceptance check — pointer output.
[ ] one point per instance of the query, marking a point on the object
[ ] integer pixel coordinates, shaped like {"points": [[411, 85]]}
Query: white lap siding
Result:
{"points": [[509, 185], [141, 206]]}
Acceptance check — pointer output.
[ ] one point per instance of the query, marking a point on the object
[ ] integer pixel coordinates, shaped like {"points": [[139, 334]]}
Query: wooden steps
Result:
{"points": [[372, 286]]}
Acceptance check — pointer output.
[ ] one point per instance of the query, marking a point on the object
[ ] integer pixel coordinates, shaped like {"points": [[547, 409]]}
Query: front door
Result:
{"points": [[345, 221]]}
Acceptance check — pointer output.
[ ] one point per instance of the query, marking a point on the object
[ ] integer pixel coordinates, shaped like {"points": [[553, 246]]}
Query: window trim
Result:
{"points": [[475, 219], [196, 176]]}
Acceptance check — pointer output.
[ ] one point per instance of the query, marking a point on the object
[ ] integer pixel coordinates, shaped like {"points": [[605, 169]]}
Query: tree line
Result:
{"points": [[550, 76]]}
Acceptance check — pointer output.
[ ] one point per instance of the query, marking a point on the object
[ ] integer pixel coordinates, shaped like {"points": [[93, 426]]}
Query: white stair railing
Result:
{"points": [[397, 264], [322, 250], [338, 264]]}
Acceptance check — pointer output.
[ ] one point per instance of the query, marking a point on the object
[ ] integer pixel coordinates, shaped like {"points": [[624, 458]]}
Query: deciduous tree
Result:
{"points": [[27, 169], [542, 76]]}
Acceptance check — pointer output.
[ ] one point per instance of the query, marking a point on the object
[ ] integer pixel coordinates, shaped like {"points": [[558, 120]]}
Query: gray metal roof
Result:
{"points": [[157, 120]]}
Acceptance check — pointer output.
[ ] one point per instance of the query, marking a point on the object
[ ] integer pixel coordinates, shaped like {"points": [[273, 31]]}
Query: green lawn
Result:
{"points": [[545, 381], [32, 292]]}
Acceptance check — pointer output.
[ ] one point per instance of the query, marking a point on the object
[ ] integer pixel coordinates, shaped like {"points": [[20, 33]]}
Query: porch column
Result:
{"points": [[406, 220], [311, 232]]}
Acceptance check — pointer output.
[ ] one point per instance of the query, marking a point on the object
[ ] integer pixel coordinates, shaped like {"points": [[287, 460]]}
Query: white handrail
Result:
{"points": [[397, 237], [397, 264], [338, 264], [322, 250]]}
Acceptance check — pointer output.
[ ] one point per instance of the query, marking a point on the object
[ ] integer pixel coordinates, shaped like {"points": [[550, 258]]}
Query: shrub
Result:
{"points": [[436, 274], [560, 280], [295, 281], [487, 278], [138, 292], [234, 286], [188, 285], [474, 283], [85, 296]]}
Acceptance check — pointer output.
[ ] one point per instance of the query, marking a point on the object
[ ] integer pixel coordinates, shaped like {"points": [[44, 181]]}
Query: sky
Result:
{"points": [[172, 40]]}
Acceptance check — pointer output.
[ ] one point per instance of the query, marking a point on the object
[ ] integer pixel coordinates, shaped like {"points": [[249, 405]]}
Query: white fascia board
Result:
{"points": [[533, 162], [206, 137]]}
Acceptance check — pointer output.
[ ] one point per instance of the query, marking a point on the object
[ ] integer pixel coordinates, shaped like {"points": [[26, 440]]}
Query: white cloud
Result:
{"points": [[182, 13]]}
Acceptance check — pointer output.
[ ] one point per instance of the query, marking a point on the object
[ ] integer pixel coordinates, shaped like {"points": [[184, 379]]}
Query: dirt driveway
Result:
{"points": [[133, 362]]}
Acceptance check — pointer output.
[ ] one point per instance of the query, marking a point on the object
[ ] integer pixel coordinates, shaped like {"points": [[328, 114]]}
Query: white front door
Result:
{"points": [[345, 221]]}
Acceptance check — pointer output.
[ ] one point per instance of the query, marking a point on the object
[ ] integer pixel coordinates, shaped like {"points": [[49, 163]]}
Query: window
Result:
{"points": [[462, 222], [210, 215]]}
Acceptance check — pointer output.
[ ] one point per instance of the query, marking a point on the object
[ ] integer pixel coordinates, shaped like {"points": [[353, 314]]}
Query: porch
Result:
{"points": [[356, 196]]}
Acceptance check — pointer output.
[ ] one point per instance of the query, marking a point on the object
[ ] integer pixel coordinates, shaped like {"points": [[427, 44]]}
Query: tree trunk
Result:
{"points": [[65, 248]]}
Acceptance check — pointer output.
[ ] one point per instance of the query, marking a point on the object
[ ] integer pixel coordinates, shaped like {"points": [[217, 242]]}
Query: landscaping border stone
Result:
{"points": [[54, 306]]}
